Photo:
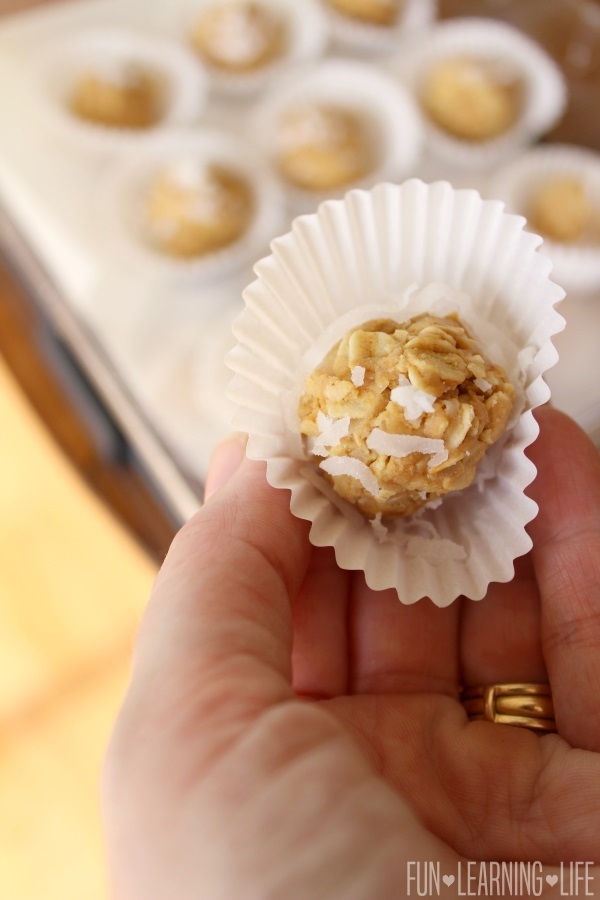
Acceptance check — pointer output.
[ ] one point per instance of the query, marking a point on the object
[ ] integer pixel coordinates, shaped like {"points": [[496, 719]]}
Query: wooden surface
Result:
{"points": [[121, 487], [15, 6], [73, 584]]}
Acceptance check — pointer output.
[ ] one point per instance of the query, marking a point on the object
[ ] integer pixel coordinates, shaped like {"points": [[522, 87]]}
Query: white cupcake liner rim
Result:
{"points": [[577, 264], [415, 18], [185, 80], [544, 94], [123, 192], [306, 40], [351, 256], [359, 88]]}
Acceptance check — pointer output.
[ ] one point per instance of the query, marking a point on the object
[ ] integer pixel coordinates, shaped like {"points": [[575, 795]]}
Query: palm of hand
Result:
{"points": [[330, 795], [482, 791]]}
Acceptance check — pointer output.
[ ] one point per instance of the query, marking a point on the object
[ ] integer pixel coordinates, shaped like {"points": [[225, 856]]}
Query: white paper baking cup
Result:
{"points": [[357, 259], [122, 195], [359, 88], [183, 77], [415, 17], [544, 92], [576, 265], [306, 39]]}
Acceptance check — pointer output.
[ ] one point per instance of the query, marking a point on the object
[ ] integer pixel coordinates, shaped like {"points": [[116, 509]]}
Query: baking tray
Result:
{"points": [[154, 350]]}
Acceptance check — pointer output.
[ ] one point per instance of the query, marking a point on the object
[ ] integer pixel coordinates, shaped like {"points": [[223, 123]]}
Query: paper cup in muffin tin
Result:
{"points": [[543, 91], [356, 87], [397, 251], [414, 18], [123, 193], [180, 78], [305, 38], [576, 264]]}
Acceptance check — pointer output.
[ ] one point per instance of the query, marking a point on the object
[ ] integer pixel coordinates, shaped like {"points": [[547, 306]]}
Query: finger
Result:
{"points": [[396, 648], [500, 635], [217, 635], [226, 460], [566, 557], [490, 791], [320, 611]]}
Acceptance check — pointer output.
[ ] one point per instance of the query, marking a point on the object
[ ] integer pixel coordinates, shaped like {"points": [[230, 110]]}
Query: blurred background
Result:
{"points": [[115, 317]]}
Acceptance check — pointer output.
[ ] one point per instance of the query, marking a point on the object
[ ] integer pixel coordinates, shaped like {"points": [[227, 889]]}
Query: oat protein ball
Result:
{"points": [[398, 415], [323, 148], [193, 209], [471, 99], [238, 36], [561, 210], [371, 12], [120, 95]]}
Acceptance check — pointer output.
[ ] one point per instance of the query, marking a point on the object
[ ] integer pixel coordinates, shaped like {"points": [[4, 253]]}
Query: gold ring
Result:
{"points": [[523, 705]]}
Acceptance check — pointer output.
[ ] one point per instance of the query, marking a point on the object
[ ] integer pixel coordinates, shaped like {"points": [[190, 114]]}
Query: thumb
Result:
{"points": [[218, 629], [226, 460]]}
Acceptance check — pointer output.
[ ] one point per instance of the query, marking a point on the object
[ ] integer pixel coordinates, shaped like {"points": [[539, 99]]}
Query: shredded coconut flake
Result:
{"points": [[119, 71], [353, 468], [404, 444], [202, 197], [358, 376], [190, 174], [237, 38], [332, 432], [413, 401], [482, 384], [312, 126]]}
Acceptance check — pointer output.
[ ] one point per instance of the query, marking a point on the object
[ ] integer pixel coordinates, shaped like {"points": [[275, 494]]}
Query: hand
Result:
{"points": [[289, 733]]}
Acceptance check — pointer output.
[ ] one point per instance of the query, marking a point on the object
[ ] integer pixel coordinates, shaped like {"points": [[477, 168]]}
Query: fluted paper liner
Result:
{"points": [[576, 264], [183, 77], [125, 188], [414, 18], [544, 93], [399, 250], [306, 39], [355, 86]]}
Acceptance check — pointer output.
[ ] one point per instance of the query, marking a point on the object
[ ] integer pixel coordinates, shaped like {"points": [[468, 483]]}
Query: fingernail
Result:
{"points": [[226, 460]]}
